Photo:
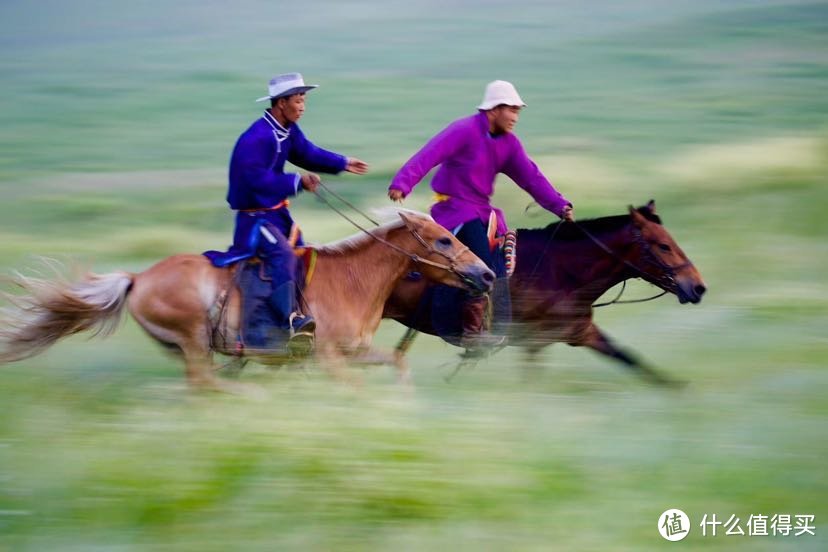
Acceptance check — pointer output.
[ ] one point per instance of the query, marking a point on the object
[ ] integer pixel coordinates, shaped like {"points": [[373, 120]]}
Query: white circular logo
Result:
{"points": [[673, 524]]}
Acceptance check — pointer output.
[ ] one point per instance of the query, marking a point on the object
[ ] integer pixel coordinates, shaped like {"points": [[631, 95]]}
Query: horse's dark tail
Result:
{"points": [[53, 309]]}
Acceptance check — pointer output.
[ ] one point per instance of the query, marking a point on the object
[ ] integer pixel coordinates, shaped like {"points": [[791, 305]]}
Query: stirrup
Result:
{"points": [[301, 325], [300, 343]]}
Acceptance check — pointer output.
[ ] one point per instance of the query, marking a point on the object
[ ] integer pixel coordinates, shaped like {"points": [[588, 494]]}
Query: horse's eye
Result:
{"points": [[445, 241], [664, 247]]}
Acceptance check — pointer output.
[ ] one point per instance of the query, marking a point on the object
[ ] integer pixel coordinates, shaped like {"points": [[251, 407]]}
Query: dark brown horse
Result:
{"points": [[563, 269], [173, 300]]}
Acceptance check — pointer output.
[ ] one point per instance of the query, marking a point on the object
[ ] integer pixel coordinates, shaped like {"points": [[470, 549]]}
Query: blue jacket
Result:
{"points": [[257, 170]]}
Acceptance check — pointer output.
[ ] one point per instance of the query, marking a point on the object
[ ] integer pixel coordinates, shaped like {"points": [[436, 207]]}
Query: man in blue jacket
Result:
{"points": [[260, 188]]}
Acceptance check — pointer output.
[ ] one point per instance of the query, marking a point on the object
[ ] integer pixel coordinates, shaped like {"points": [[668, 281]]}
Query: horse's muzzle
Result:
{"points": [[690, 292], [478, 279]]}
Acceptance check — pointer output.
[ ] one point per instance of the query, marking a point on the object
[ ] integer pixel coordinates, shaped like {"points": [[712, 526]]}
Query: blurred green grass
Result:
{"points": [[115, 127]]}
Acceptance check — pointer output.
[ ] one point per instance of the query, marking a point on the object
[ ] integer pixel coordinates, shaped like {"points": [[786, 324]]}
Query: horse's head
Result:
{"points": [[444, 258], [660, 259]]}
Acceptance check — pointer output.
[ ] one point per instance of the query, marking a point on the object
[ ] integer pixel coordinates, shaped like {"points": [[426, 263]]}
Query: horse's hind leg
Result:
{"points": [[198, 366], [193, 345], [595, 339], [200, 372]]}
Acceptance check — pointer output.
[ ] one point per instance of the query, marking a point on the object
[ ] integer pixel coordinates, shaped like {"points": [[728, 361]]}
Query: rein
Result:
{"points": [[346, 202], [628, 301], [545, 248], [413, 256]]}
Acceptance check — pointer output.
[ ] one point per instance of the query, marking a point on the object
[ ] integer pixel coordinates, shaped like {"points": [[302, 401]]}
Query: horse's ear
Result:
{"points": [[637, 218], [410, 222], [651, 206]]}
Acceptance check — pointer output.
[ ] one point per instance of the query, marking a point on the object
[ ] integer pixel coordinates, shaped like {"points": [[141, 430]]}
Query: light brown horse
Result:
{"points": [[173, 300], [562, 270]]}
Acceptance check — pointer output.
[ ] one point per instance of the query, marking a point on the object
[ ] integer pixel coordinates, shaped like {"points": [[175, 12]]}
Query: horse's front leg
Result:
{"points": [[531, 367], [400, 358], [333, 362], [595, 339], [377, 357]]}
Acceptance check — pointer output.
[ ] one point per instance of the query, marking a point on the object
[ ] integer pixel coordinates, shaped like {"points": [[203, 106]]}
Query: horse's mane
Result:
{"points": [[392, 220], [600, 225], [392, 213]]}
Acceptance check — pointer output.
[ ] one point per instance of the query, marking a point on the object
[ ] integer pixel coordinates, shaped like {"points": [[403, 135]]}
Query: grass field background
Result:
{"points": [[116, 123]]}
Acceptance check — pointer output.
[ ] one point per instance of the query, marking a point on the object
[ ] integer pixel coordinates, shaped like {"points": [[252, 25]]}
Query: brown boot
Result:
{"points": [[475, 337]]}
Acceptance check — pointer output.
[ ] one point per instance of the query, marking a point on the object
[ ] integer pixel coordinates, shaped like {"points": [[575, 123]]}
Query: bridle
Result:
{"points": [[666, 280], [452, 266], [668, 277]]}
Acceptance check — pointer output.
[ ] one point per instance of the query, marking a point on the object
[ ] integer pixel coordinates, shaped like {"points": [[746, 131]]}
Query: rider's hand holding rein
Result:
{"points": [[396, 195], [310, 181], [568, 214]]}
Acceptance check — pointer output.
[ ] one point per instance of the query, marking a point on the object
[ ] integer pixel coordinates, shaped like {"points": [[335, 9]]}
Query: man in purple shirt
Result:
{"points": [[259, 190], [471, 152]]}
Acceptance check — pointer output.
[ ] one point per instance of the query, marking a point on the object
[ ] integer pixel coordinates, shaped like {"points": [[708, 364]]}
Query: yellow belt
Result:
{"points": [[494, 240]]}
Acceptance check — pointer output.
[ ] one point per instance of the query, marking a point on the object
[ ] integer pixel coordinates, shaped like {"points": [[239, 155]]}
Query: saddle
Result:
{"points": [[259, 331]]}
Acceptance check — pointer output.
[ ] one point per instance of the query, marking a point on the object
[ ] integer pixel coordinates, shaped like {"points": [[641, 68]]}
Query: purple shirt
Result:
{"points": [[257, 172], [469, 159]]}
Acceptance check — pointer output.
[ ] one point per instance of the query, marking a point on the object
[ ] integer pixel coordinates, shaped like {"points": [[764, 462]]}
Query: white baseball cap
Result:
{"points": [[500, 93], [286, 85]]}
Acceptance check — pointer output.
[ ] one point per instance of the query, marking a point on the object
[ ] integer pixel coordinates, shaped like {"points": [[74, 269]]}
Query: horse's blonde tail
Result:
{"points": [[53, 309]]}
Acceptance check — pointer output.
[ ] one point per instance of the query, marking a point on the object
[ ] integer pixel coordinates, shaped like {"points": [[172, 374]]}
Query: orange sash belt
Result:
{"points": [[295, 231], [284, 203]]}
